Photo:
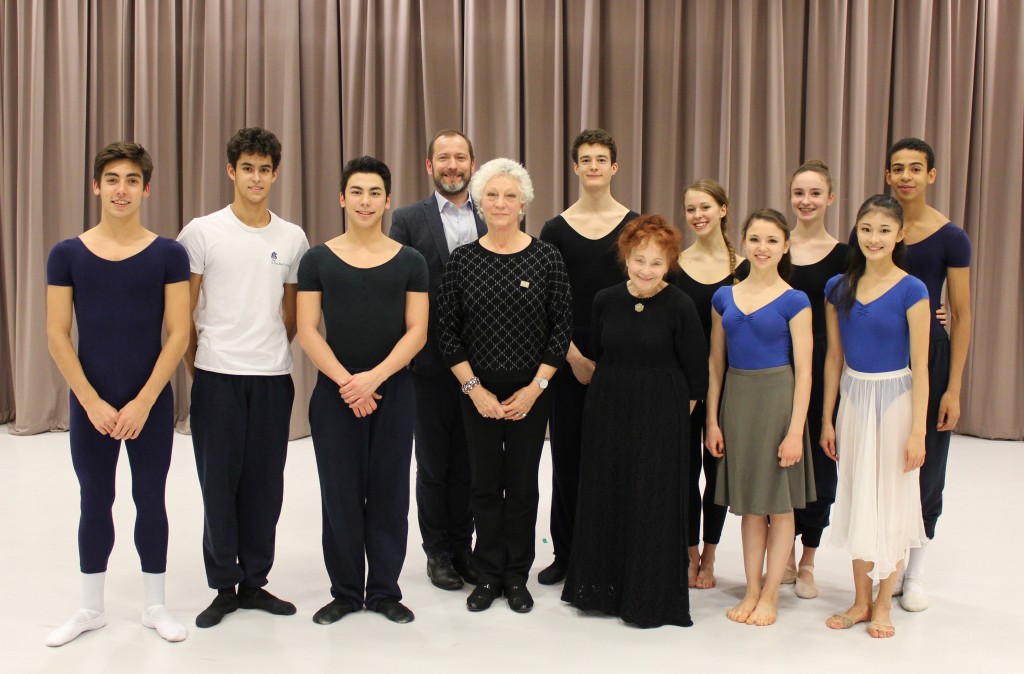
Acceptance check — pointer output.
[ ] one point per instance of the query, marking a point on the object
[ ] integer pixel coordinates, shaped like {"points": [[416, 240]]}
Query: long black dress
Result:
{"points": [[629, 554]]}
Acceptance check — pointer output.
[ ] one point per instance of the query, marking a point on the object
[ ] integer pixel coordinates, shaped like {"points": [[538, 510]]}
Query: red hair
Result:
{"points": [[651, 229]]}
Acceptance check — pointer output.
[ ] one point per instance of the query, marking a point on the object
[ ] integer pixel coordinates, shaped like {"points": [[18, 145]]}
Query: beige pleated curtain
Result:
{"points": [[740, 90]]}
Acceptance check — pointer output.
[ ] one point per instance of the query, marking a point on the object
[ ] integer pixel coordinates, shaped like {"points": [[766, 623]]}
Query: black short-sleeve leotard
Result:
{"points": [[364, 308]]}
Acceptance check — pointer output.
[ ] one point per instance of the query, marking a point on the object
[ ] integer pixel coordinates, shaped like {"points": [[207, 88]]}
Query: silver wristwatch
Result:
{"points": [[541, 382]]}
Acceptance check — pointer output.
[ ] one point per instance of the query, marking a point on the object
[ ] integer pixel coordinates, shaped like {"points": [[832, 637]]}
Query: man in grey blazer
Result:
{"points": [[435, 227]]}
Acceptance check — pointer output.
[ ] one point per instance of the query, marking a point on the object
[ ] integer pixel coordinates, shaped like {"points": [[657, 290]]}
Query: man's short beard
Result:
{"points": [[450, 187]]}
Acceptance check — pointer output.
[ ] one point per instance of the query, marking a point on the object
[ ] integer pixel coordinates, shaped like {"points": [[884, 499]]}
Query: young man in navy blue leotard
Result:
{"points": [[937, 252], [123, 284]]}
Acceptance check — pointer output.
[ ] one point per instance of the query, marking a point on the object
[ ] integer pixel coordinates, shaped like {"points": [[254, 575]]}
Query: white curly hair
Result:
{"points": [[501, 167]]}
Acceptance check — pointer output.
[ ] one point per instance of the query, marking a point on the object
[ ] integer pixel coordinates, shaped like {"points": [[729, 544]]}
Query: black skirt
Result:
{"points": [[629, 555]]}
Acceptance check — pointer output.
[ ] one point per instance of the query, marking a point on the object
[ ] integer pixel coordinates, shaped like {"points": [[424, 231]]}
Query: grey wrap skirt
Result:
{"points": [[754, 417]]}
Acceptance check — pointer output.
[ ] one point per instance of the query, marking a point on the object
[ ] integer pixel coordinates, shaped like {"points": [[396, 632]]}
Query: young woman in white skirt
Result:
{"points": [[878, 322], [756, 420]]}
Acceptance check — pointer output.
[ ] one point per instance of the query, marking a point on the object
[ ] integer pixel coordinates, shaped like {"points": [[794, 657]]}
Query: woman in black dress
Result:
{"points": [[629, 549]]}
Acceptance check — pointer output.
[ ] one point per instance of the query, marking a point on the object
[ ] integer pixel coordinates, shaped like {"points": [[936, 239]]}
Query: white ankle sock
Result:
{"points": [[159, 618], [92, 591], [915, 562], [155, 615], [89, 617], [84, 620], [914, 597], [153, 587]]}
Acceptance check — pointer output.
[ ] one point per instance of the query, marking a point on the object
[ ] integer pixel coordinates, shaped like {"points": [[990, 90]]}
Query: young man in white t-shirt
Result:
{"points": [[244, 261]]}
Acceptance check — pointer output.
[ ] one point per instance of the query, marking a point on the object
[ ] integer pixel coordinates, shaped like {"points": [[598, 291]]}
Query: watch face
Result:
{"points": [[543, 383]]}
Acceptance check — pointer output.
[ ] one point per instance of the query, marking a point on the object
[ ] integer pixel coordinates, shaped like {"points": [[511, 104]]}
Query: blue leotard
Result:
{"points": [[876, 337], [760, 339]]}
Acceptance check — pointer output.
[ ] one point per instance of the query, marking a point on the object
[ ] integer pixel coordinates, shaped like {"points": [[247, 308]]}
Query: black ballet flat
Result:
{"points": [[519, 598], [482, 596]]}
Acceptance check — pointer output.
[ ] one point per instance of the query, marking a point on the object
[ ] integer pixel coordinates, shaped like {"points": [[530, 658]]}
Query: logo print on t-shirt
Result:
{"points": [[274, 260]]}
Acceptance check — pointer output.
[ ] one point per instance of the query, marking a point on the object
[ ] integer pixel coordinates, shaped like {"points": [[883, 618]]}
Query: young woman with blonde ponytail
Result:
{"points": [[708, 264]]}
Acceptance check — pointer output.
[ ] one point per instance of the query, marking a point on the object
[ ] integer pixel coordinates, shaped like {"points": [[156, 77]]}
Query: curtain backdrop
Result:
{"points": [[741, 90]]}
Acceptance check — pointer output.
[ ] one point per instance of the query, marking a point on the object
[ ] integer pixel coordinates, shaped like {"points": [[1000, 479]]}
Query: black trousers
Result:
{"points": [[812, 520], [363, 465], [567, 398], [504, 457], [442, 466], [933, 472], [714, 514], [240, 436]]}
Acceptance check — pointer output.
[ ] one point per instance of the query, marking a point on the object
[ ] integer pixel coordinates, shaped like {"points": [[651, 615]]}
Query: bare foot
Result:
{"points": [[706, 576], [878, 630], [694, 567], [788, 576], [765, 612], [881, 626], [741, 612], [853, 615]]}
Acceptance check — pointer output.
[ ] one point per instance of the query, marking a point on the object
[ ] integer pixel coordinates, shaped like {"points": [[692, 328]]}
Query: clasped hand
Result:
{"points": [[123, 424], [359, 392], [515, 408]]}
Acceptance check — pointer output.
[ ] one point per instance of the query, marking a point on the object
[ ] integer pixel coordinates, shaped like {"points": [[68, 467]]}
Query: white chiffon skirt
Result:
{"points": [[877, 513]]}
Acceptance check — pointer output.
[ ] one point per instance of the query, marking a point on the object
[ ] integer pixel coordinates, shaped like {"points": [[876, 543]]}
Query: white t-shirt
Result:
{"points": [[244, 271]]}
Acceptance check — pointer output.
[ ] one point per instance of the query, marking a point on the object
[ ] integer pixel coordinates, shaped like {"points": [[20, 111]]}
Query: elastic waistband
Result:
{"points": [[895, 374], [737, 372]]}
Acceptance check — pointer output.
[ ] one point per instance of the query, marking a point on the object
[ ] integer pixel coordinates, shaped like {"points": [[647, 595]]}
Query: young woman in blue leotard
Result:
{"points": [[878, 320], [757, 420]]}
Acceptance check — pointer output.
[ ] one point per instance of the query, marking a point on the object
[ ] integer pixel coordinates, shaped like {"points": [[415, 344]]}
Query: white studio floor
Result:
{"points": [[973, 625]]}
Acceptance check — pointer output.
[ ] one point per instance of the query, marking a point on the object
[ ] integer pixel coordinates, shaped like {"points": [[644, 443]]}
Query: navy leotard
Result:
{"points": [[119, 307]]}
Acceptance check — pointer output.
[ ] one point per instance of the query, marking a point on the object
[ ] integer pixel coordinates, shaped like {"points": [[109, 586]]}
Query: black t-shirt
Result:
{"points": [[364, 309], [592, 264]]}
